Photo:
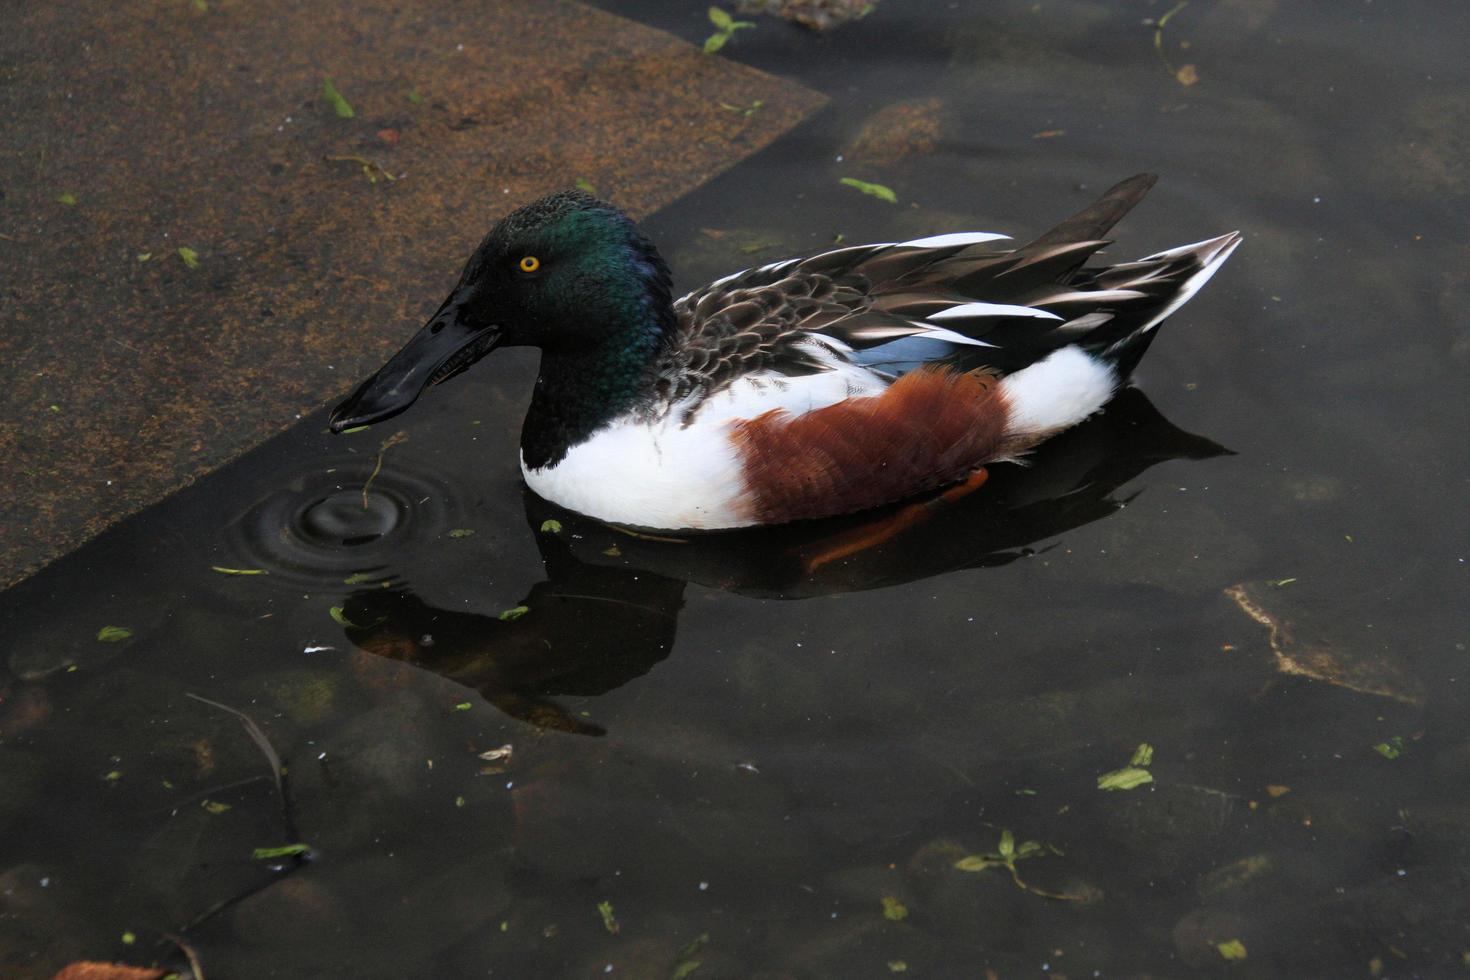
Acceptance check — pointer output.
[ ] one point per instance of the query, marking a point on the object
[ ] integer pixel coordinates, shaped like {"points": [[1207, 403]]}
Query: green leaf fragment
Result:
{"points": [[894, 910], [359, 578], [609, 923], [330, 93], [1128, 778], [286, 850], [613, 552], [128, 938], [978, 862], [190, 257], [513, 614], [238, 571], [1007, 845], [68, 198], [687, 957], [340, 617], [215, 808], [113, 776], [144, 256], [459, 801], [720, 19], [1143, 755], [897, 966], [551, 527], [715, 42], [1232, 949], [355, 428], [463, 706], [583, 184], [113, 634], [462, 532], [415, 97], [879, 191], [1392, 748], [1280, 581]]}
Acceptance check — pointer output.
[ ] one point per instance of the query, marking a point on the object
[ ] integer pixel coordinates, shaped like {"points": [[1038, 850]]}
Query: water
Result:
{"points": [[744, 749]]}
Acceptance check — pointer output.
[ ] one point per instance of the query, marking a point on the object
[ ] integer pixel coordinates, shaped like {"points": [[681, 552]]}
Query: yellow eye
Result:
{"points": [[530, 263]]}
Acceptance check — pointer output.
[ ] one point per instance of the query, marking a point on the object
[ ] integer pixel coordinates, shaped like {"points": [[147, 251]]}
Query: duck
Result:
{"points": [[804, 388]]}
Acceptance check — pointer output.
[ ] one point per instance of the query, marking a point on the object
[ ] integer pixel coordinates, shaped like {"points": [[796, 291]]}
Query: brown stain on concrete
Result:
{"points": [[123, 379]]}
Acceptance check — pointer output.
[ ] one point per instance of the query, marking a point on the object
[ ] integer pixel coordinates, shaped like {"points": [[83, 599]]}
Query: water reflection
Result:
{"points": [[608, 609]]}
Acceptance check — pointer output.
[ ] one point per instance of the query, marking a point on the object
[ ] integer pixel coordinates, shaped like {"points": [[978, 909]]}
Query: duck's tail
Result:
{"points": [[1103, 347], [1171, 277]]}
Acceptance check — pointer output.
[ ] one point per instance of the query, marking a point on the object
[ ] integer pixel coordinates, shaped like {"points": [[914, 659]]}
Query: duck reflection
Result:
{"points": [[608, 609]]}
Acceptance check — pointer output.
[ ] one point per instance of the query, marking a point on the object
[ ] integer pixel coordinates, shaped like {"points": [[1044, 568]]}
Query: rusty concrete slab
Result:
{"points": [[197, 247]]}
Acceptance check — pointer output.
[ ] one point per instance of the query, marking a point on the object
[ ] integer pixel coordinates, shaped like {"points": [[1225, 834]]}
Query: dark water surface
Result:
{"points": [[752, 753]]}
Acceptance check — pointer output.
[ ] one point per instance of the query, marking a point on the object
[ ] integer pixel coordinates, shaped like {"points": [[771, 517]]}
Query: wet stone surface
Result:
{"points": [[199, 247]]}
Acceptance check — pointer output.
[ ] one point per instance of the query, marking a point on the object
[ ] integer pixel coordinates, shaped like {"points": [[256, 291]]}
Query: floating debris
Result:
{"points": [[894, 910], [1185, 74], [551, 527], [69, 199], [726, 26], [387, 444], [1133, 775], [609, 921], [190, 257], [502, 754], [1391, 748], [1231, 949], [463, 706], [339, 102], [583, 184], [744, 111], [285, 850], [238, 571], [113, 634], [371, 169], [879, 191], [513, 614], [688, 957], [462, 532], [1006, 854]]}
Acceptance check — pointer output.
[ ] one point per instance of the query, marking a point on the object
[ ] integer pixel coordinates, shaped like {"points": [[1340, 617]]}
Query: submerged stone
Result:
{"points": [[1311, 636]]}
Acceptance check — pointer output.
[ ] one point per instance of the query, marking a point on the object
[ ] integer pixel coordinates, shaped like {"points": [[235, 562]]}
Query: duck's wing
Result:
{"points": [[888, 307]]}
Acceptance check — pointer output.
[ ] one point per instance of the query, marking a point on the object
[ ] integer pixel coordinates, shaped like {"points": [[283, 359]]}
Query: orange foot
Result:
{"points": [[862, 538]]}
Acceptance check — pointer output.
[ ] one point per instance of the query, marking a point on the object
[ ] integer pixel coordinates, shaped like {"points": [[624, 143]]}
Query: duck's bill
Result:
{"points": [[442, 349]]}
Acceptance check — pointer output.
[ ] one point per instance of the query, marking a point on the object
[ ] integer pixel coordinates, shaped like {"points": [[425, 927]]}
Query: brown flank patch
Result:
{"points": [[932, 427]]}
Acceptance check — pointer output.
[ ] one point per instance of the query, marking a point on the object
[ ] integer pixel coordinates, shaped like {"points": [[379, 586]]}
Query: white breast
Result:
{"points": [[669, 475]]}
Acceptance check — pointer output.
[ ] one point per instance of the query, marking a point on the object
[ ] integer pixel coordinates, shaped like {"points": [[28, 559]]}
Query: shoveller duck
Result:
{"points": [[804, 388]]}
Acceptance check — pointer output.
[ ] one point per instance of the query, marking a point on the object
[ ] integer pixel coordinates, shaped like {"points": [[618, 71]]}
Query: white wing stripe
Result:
{"points": [[955, 238], [970, 310]]}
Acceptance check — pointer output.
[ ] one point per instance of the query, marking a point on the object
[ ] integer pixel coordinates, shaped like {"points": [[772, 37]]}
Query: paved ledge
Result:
{"points": [[135, 131]]}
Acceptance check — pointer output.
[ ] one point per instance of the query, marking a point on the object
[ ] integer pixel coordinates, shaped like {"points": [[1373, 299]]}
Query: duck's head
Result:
{"points": [[565, 273]]}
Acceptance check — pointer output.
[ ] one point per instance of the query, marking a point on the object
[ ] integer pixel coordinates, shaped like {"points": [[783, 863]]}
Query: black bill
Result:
{"points": [[442, 349]]}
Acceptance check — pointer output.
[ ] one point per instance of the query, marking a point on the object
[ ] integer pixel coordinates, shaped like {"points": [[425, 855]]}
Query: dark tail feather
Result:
{"points": [[1095, 220]]}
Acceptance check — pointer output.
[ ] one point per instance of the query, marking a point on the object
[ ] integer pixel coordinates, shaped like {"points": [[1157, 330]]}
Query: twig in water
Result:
{"points": [[256, 735], [1159, 35], [388, 444], [194, 965]]}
